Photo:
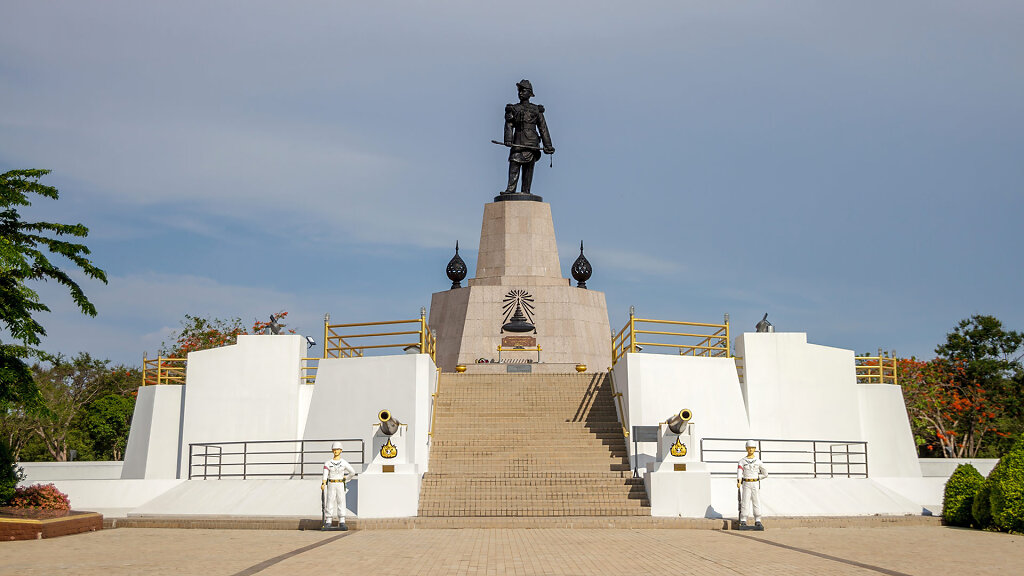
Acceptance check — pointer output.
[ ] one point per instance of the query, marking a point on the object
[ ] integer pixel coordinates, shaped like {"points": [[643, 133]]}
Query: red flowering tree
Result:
{"points": [[201, 333], [948, 418], [966, 402]]}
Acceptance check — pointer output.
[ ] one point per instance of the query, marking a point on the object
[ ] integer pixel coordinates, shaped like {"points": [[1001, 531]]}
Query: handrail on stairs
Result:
{"points": [[624, 418]]}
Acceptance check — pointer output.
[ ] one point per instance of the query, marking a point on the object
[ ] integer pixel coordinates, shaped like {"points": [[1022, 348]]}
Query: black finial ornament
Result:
{"points": [[581, 270], [456, 269]]}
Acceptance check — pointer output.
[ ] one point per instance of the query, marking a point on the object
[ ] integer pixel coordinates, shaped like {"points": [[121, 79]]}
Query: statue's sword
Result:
{"points": [[524, 146]]}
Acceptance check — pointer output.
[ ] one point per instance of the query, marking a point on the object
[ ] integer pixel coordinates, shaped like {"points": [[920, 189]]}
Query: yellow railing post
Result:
{"points": [[327, 322], [728, 340], [632, 329], [144, 366], [423, 330]]}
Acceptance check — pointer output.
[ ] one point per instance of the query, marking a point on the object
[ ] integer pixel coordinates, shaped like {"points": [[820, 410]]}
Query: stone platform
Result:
{"points": [[519, 254]]}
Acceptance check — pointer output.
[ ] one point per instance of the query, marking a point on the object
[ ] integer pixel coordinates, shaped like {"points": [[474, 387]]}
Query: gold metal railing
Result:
{"points": [[618, 396], [713, 344], [879, 369], [308, 371], [162, 370], [347, 340], [433, 404]]}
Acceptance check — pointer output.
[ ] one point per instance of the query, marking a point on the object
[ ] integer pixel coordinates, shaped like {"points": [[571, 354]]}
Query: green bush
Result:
{"points": [[10, 474], [1007, 497], [981, 510], [958, 497]]}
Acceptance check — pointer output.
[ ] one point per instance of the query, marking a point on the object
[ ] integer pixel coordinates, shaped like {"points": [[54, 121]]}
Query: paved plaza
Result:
{"points": [[924, 550]]}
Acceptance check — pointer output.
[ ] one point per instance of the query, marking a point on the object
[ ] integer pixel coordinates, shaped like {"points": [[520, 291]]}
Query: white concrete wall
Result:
{"points": [[285, 498], [796, 390], [350, 392], [944, 467], [792, 390], [113, 497], [886, 428], [815, 497], [154, 440], [656, 386], [247, 391], [46, 472]]}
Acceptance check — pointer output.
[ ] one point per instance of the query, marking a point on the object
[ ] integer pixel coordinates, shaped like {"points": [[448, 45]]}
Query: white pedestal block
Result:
{"points": [[389, 494], [679, 494]]}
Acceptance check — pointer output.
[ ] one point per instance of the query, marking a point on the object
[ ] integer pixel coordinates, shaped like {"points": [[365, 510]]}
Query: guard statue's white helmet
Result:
{"points": [[751, 444], [336, 446]]}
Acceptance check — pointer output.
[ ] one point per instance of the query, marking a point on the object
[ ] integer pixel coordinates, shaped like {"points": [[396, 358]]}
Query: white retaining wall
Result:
{"points": [[350, 392], [247, 391], [791, 390], [944, 467], [45, 472], [154, 440]]}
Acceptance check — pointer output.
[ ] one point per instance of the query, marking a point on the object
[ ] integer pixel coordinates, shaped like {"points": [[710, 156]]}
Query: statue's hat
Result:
{"points": [[525, 84]]}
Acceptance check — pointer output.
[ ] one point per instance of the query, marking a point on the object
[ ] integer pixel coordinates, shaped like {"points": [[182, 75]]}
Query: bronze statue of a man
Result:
{"points": [[525, 130]]}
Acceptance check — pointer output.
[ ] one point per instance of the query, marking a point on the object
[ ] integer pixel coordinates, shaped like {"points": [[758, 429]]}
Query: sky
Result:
{"points": [[854, 169]]}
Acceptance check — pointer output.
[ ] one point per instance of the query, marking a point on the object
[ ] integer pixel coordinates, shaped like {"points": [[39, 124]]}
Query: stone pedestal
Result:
{"points": [[518, 252]]}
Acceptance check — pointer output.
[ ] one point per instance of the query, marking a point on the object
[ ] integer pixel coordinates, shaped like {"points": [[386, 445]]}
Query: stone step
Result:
{"points": [[531, 446]]}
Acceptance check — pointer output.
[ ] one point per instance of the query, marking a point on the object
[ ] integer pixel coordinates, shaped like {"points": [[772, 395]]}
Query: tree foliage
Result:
{"points": [[77, 411], [967, 402], [10, 474], [107, 422], [25, 251], [202, 333]]}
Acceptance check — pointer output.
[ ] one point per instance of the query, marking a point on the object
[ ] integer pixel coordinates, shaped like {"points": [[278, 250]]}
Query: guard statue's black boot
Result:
{"points": [[344, 527], [758, 526], [743, 525]]}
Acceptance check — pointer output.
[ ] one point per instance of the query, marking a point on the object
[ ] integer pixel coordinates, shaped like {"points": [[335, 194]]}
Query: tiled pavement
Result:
{"points": [[923, 550]]}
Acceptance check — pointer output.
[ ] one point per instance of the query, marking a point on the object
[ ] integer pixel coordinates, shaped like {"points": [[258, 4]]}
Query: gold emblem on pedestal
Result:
{"points": [[389, 450], [678, 449]]}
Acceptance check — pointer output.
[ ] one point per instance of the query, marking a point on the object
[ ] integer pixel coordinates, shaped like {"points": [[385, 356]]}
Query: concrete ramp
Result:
{"points": [[290, 498], [815, 497]]}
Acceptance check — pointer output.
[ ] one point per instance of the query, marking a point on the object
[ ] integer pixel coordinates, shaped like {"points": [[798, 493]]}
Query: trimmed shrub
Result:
{"points": [[10, 474], [40, 497], [981, 510], [1007, 497], [959, 494]]}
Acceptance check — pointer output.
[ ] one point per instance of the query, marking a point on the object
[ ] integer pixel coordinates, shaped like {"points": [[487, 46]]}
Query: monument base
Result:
{"points": [[518, 269], [572, 328]]}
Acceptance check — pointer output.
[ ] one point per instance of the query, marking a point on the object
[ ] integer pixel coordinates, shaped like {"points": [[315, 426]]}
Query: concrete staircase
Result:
{"points": [[528, 445]]}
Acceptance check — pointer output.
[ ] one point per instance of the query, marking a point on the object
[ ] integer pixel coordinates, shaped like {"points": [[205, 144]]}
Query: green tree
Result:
{"points": [[10, 474], [987, 384], [24, 250], [67, 388], [107, 421]]}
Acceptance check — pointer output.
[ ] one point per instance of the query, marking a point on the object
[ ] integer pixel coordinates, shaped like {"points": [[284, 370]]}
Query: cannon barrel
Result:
{"points": [[677, 421], [388, 423]]}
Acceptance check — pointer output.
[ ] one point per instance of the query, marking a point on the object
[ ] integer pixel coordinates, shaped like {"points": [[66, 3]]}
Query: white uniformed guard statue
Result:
{"points": [[749, 473], [336, 474]]}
